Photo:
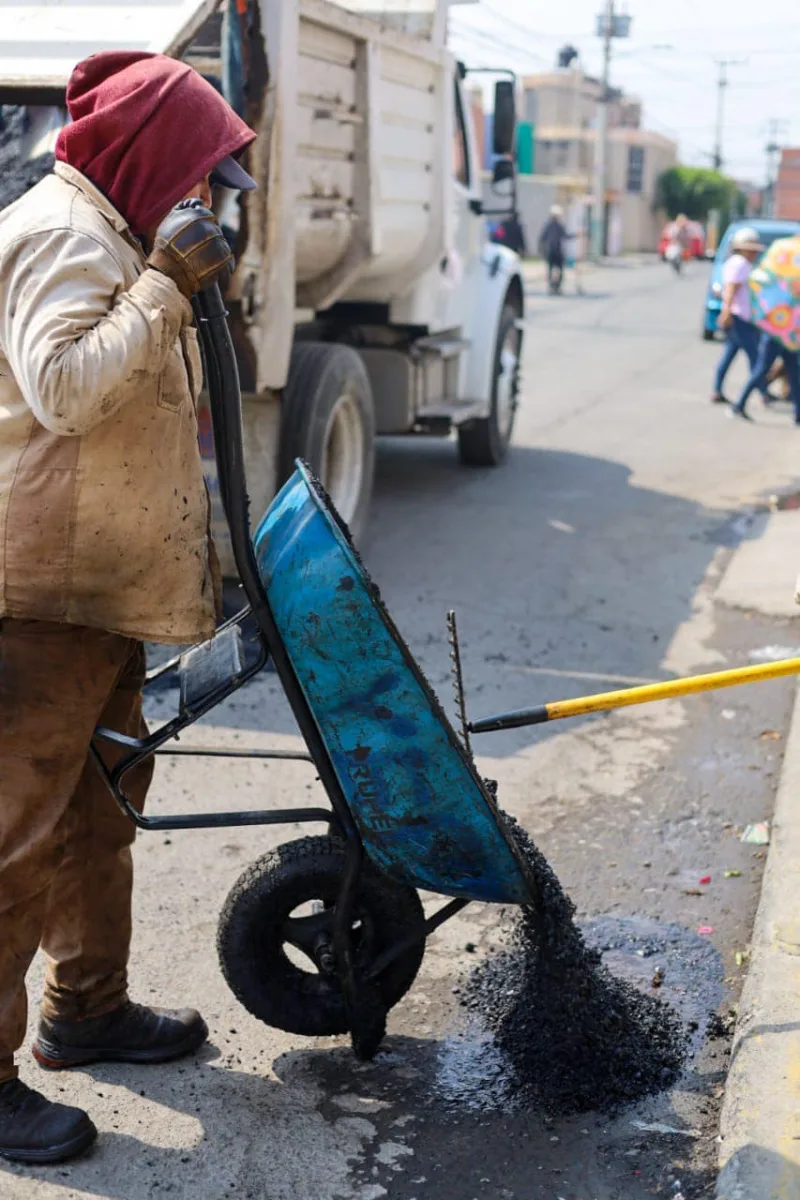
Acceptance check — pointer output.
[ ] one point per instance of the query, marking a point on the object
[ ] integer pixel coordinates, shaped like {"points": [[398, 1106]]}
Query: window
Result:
{"points": [[460, 148], [561, 158], [635, 168]]}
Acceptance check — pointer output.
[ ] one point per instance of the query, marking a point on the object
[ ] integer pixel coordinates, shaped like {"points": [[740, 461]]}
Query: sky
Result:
{"points": [[669, 62]]}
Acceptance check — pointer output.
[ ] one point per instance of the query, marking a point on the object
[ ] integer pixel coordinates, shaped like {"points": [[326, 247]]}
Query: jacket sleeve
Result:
{"points": [[79, 345]]}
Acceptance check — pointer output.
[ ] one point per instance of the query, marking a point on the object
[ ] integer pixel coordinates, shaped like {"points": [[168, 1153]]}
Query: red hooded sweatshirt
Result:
{"points": [[145, 129]]}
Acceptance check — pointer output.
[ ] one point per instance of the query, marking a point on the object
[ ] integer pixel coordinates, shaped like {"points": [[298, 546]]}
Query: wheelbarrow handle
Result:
{"points": [[669, 690]]}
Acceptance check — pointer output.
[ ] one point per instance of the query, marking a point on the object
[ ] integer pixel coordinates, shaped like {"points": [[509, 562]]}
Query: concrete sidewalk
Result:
{"points": [[760, 1127]]}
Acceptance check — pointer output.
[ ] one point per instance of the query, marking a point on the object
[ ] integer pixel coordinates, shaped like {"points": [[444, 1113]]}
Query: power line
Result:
{"points": [[467, 28], [777, 27], [650, 65], [515, 24], [488, 39]]}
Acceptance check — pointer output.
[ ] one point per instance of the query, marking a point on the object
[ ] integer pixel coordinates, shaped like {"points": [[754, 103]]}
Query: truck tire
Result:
{"points": [[255, 928], [484, 442], [328, 419]]}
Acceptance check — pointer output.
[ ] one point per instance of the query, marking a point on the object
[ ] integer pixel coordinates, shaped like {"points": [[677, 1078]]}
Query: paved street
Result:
{"points": [[589, 562]]}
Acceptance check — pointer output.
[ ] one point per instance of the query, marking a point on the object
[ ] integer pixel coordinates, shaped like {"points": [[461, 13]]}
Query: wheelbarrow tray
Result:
{"points": [[425, 816]]}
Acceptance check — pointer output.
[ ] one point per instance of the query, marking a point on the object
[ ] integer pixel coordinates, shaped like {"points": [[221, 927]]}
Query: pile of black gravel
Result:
{"points": [[16, 176], [576, 1038]]}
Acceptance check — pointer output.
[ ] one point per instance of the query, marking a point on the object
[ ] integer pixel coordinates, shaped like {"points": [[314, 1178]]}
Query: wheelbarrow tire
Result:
{"points": [[251, 936]]}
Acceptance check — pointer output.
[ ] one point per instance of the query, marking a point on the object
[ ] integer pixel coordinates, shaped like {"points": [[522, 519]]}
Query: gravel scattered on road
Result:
{"points": [[576, 1038]]}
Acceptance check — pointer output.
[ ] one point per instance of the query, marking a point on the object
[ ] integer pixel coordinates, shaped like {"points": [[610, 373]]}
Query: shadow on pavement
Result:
{"points": [[205, 1132], [551, 562], [759, 1031], [474, 1147]]}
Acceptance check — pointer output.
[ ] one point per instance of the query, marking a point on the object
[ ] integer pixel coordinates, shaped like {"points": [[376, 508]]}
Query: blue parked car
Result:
{"points": [[768, 232]]}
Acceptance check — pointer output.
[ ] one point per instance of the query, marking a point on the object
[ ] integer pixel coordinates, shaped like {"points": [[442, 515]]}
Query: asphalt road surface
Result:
{"points": [[589, 561]]}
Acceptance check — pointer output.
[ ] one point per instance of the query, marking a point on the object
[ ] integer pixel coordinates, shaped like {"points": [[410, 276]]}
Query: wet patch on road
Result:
{"points": [[473, 1073], [576, 1037]]}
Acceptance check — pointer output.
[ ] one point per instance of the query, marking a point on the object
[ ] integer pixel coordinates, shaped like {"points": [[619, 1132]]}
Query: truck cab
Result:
{"points": [[367, 298]]}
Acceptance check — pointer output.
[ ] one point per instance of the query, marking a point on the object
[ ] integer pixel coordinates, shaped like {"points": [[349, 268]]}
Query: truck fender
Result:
{"points": [[500, 283]]}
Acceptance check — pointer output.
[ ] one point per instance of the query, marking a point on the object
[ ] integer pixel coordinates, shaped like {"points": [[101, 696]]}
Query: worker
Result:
{"points": [[104, 543], [552, 240]]}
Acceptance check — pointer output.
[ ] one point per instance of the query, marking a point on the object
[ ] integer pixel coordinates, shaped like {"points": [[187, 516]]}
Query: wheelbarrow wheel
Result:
{"points": [[283, 905]]}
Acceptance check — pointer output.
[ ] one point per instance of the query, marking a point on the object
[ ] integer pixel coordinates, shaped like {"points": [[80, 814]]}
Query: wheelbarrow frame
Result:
{"points": [[222, 381], [225, 403]]}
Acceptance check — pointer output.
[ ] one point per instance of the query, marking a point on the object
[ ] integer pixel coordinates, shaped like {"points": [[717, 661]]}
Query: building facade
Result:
{"points": [[787, 185], [562, 106]]}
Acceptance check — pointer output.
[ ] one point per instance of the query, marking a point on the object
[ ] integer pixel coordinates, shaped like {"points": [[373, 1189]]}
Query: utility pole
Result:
{"points": [[722, 85], [773, 151], [610, 24]]}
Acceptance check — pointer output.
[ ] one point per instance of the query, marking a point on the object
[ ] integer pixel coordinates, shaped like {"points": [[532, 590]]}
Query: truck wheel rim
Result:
{"points": [[507, 384], [343, 457]]}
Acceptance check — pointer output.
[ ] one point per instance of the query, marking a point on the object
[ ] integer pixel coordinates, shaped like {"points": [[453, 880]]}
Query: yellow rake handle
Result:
{"points": [[624, 697]]}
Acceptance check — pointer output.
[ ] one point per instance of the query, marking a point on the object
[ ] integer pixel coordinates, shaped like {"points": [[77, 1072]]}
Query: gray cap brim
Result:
{"points": [[227, 173]]}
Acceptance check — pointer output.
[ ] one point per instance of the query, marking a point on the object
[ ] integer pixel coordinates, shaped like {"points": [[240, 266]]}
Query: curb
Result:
{"points": [[760, 1125]]}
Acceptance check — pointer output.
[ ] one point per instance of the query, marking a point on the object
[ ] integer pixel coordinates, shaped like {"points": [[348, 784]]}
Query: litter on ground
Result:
{"points": [[660, 1127], [757, 834]]}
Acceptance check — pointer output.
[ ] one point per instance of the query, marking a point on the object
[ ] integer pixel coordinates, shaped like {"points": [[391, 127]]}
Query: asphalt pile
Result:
{"points": [[16, 176], [575, 1038]]}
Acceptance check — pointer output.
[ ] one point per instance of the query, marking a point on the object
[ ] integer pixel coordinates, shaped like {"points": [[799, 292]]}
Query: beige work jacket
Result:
{"points": [[104, 517]]}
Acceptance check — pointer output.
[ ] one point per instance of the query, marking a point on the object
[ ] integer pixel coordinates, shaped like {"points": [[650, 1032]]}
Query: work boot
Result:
{"points": [[131, 1033], [36, 1130]]}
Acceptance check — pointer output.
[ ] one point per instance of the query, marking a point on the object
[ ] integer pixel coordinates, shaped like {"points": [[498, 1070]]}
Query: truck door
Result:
{"points": [[466, 233]]}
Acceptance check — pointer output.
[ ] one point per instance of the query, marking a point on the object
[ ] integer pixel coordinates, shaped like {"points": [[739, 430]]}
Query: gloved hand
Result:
{"points": [[191, 249]]}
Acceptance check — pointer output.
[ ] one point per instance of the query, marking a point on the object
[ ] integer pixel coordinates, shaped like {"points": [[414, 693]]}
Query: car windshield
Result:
{"points": [[766, 236]]}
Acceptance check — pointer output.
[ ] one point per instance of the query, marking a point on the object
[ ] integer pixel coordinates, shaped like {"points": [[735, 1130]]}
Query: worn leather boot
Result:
{"points": [[131, 1033], [36, 1130]]}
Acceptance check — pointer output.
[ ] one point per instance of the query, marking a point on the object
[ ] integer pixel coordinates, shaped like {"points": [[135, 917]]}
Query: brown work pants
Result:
{"points": [[65, 859]]}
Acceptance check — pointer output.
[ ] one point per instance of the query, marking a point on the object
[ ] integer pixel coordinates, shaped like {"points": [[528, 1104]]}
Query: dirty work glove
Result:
{"points": [[191, 249]]}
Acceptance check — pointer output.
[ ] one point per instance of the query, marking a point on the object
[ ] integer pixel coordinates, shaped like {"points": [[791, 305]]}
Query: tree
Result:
{"points": [[695, 191]]}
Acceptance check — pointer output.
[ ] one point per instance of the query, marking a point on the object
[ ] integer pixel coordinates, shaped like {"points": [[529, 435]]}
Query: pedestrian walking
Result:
{"points": [[769, 351], [679, 242], [552, 241], [734, 319], [104, 543]]}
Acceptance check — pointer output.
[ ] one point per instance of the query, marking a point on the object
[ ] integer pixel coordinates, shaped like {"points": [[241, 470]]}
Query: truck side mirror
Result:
{"points": [[505, 117], [503, 170]]}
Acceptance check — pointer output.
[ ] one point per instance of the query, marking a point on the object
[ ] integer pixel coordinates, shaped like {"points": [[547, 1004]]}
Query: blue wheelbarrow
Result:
{"points": [[324, 934]]}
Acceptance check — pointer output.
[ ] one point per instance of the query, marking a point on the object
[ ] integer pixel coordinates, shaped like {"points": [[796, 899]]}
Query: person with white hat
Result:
{"points": [[734, 318], [769, 351]]}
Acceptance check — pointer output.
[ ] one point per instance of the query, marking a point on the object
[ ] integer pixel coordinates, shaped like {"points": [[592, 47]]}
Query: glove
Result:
{"points": [[191, 249]]}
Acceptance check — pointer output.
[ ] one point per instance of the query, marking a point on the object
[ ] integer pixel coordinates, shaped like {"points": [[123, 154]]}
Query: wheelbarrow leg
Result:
{"points": [[362, 996]]}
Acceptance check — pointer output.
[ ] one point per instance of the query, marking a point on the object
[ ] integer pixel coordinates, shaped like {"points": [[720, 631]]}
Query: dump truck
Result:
{"points": [[367, 298]]}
